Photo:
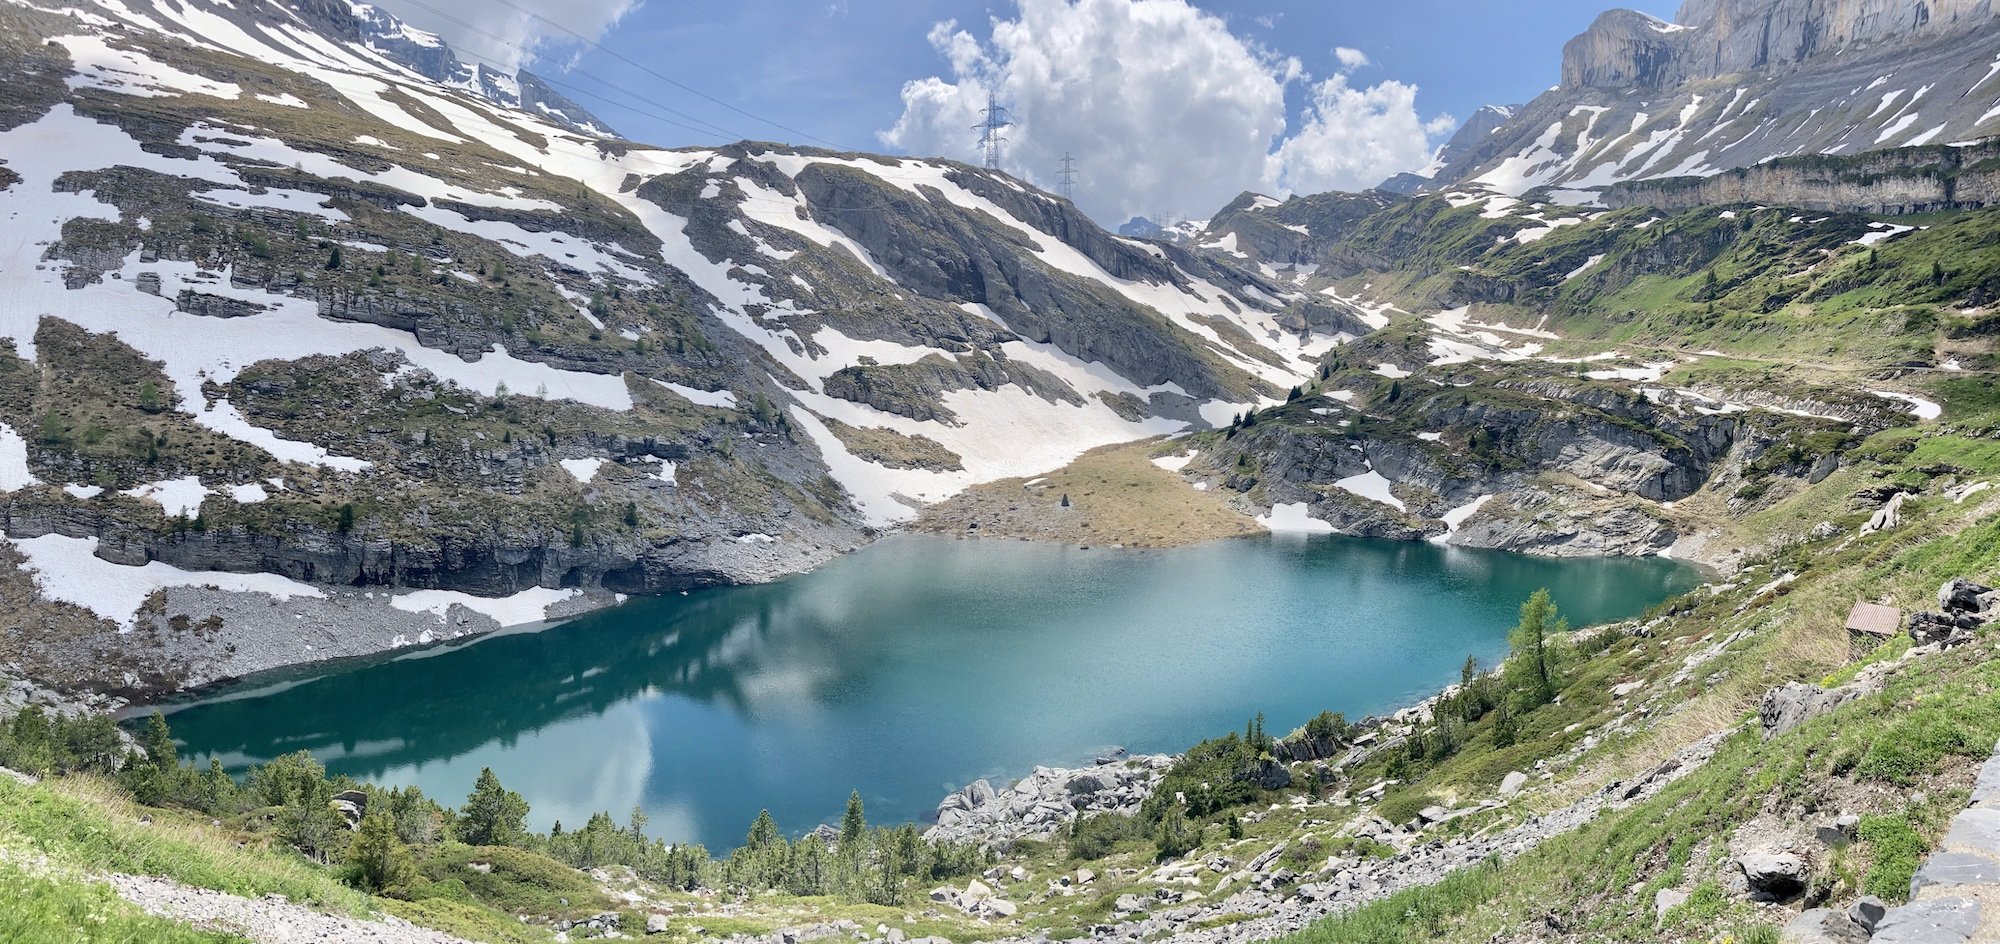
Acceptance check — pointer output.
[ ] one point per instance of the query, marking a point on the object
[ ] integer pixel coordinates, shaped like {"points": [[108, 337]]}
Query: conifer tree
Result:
{"points": [[493, 815], [853, 826]]}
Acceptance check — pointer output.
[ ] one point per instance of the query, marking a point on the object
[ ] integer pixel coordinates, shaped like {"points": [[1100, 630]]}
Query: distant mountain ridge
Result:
{"points": [[1734, 83], [428, 55]]}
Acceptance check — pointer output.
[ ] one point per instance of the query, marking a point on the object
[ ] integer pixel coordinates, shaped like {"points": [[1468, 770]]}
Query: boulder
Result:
{"points": [[1840, 832], [656, 924], [1947, 630], [1823, 926], [1269, 856], [1271, 775], [1887, 518], [1795, 703], [1773, 876], [1512, 783], [1000, 907], [1128, 904], [352, 804], [1960, 595], [1867, 912], [1667, 899]]}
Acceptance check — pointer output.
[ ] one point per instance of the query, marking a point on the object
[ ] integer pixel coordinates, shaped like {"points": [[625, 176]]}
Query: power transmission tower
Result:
{"points": [[1068, 178], [989, 130]]}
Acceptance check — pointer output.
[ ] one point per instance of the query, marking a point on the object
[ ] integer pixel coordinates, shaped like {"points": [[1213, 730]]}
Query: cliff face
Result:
{"points": [[1735, 36], [1905, 180], [1735, 83], [1712, 38]]}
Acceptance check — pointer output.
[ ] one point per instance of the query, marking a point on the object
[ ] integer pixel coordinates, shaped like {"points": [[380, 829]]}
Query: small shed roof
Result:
{"points": [[1875, 619]]}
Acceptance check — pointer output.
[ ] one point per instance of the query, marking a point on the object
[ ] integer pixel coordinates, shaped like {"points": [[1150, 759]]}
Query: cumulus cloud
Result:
{"points": [[499, 35], [1166, 110], [1354, 137]]}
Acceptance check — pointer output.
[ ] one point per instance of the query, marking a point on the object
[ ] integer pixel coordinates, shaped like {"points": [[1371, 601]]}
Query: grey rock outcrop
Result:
{"points": [[1795, 703], [1046, 800], [1963, 607]]}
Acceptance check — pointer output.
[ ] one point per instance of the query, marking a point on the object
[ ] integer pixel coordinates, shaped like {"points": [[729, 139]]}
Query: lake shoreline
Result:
{"points": [[943, 658]]}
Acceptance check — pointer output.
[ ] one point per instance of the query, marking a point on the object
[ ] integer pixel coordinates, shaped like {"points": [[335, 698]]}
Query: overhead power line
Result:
{"points": [[989, 130], [710, 127], [621, 57]]}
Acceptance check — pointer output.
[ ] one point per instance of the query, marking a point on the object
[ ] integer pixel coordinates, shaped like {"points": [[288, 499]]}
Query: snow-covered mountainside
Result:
{"points": [[427, 55], [1734, 83], [292, 308]]}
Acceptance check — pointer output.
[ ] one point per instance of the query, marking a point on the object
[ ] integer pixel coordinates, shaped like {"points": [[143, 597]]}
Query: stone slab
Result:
{"points": [[1955, 868], [1939, 921]]}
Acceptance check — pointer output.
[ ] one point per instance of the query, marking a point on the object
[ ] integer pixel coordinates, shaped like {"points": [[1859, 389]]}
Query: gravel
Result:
{"points": [[267, 920]]}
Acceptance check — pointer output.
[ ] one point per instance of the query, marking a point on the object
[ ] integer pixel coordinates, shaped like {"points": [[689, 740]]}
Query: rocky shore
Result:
{"points": [[1046, 800]]}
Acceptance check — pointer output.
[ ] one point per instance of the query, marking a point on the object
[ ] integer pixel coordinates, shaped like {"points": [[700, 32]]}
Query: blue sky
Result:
{"points": [[836, 71]]}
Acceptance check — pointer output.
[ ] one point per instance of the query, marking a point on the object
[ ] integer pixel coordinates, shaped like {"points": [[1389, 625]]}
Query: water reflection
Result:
{"points": [[914, 666]]}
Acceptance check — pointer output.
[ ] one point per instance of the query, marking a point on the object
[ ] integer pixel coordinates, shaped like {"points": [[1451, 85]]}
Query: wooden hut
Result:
{"points": [[1870, 625]]}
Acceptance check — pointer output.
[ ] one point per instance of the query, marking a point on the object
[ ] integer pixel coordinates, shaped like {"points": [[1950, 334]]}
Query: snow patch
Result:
{"points": [[68, 570], [179, 497], [1292, 517], [528, 606], [583, 470], [1372, 486], [14, 474], [1921, 408]]}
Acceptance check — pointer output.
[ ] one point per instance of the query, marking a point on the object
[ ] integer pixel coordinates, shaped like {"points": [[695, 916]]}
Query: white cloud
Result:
{"points": [[499, 34], [1165, 109], [1354, 137]]}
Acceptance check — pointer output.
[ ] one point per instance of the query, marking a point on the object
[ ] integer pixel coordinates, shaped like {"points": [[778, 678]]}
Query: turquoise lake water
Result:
{"points": [[909, 669]]}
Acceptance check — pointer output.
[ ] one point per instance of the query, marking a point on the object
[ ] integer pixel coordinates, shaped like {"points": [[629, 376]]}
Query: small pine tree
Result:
{"points": [[378, 860], [493, 815], [1937, 272], [346, 522], [854, 825], [1395, 390], [159, 744], [1534, 662], [1293, 395], [763, 832], [333, 260]]}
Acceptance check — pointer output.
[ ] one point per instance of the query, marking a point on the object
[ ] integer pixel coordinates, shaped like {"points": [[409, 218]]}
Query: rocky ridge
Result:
{"points": [[1642, 99]]}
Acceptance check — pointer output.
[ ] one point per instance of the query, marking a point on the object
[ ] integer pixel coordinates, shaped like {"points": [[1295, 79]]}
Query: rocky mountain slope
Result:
{"points": [[1735, 83], [299, 311]]}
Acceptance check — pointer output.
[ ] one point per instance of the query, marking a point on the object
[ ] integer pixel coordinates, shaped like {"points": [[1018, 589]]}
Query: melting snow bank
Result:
{"points": [[1456, 517], [14, 472], [1923, 409], [529, 606], [1292, 518], [254, 622], [69, 570], [1372, 486]]}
